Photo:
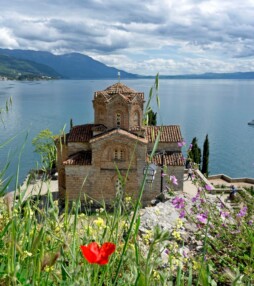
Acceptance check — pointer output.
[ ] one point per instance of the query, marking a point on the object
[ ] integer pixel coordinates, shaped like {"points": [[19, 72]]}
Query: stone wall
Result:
{"points": [[232, 180], [99, 180]]}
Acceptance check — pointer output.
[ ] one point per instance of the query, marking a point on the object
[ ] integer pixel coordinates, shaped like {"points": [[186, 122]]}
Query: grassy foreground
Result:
{"points": [[45, 245], [39, 245]]}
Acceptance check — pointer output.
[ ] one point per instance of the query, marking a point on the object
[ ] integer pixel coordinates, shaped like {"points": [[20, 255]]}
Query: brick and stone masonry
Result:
{"points": [[90, 154]]}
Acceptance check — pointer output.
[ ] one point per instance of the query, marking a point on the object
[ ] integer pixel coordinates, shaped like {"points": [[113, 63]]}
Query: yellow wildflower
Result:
{"points": [[176, 235], [156, 275], [179, 223], [99, 222], [48, 268]]}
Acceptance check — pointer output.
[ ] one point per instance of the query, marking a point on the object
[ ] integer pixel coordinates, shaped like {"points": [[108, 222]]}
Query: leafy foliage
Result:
{"points": [[205, 161], [195, 152], [44, 145], [152, 118]]}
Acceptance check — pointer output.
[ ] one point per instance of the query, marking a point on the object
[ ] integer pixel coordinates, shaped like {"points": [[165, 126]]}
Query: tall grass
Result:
{"points": [[40, 242]]}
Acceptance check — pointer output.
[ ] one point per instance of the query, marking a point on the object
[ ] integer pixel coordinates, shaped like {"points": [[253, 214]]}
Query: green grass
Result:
{"points": [[40, 243]]}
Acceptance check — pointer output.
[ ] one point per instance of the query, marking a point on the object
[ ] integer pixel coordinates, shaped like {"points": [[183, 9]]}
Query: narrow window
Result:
{"points": [[136, 119], [121, 155], [116, 154], [118, 119]]}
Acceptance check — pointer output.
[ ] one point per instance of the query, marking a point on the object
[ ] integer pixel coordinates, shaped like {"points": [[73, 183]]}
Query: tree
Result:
{"points": [[205, 161], [152, 118], [195, 152], [45, 146]]}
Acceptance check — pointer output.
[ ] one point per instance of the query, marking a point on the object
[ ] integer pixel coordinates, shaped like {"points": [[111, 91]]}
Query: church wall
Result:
{"points": [[101, 176], [135, 110], [100, 112], [117, 107], [98, 185]]}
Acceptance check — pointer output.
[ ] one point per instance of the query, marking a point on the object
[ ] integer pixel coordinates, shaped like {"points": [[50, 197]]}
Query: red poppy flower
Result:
{"points": [[93, 253]]}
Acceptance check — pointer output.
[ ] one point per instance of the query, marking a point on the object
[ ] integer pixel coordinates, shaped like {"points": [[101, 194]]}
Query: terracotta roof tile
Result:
{"points": [[83, 133], [121, 89], [99, 127], [169, 159], [80, 158], [170, 133], [117, 131]]}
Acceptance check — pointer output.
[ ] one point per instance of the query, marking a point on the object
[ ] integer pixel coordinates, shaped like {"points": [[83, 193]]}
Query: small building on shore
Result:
{"points": [[91, 156]]}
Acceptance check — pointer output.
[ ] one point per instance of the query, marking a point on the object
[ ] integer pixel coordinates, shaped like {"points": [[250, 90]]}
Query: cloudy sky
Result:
{"points": [[144, 37]]}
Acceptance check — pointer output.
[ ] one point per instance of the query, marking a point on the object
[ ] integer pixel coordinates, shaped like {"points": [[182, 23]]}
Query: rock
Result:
{"points": [[163, 197], [155, 202]]}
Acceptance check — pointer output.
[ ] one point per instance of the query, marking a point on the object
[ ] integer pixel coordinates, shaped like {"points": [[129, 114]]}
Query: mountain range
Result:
{"points": [[19, 64], [68, 66]]}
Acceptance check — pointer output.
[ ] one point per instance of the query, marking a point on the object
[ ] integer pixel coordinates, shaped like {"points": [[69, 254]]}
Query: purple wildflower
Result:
{"points": [[202, 218], [178, 203], [166, 251], [173, 179], [181, 144], [242, 212], [164, 174], [224, 214], [250, 222], [222, 205], [208, 187], [182, 214], [190, 147]]}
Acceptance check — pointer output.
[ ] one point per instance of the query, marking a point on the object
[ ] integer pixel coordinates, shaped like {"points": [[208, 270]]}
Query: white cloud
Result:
{"points": [[7, 39], [175, 36]]}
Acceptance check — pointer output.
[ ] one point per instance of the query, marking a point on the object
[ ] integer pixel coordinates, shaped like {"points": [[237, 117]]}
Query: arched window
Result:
{"points": [[118, 119], [136, 118], [118, 154]]}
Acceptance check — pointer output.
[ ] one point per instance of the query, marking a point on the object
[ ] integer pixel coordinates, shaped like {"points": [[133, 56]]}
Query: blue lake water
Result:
{"points": [[219, 108]]}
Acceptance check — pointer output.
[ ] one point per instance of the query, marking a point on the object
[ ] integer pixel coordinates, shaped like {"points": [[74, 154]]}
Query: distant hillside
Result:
{"points": [[13, 68], [79, 66], [236, 75], [71, 66]]}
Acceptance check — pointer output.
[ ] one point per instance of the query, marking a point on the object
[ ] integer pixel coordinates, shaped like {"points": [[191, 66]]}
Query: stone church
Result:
{"points": [[91, 156]]}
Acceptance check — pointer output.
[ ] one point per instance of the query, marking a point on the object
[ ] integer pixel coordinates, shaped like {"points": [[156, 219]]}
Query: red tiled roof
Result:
{"points": [[118, 88], [117, 131], [99, 127], [83, 133], [169, 159], [170, 133], [80, 158]]}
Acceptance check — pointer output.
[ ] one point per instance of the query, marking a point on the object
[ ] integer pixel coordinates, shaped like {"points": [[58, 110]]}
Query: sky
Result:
{"points": [[145, 37]]}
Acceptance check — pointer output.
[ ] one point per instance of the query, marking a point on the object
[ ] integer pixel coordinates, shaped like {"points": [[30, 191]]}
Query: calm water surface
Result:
{"points": [[219, 108]]}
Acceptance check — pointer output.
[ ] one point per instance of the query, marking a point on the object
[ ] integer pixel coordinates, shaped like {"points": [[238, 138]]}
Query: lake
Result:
{"points": [[219, 108]]}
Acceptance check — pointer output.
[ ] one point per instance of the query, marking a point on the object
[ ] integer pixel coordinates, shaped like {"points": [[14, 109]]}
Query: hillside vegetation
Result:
{"points": [[69, 66], [13, 68]]}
